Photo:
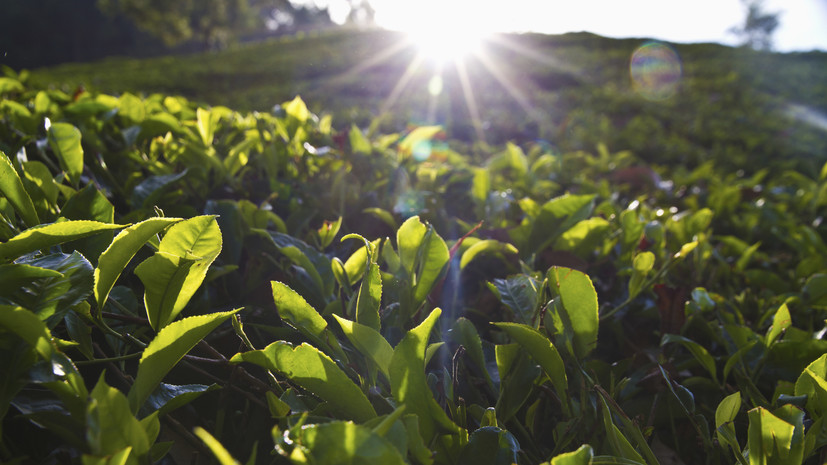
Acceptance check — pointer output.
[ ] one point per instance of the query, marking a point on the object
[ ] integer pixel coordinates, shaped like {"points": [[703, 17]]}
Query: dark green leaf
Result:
{"points": [[490, 445]]}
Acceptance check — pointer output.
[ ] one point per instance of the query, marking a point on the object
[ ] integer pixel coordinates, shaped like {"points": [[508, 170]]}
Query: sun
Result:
{"points": [[443, 31], [447, 43]]}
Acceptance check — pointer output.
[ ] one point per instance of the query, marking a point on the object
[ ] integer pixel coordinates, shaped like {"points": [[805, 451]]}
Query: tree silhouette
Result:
{"points": [[758, 27]]}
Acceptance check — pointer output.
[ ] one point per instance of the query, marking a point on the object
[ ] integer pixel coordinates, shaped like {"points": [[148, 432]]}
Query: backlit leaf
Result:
{"points": [[579, 305], [48, 235], [12, 188], [65, 142], [409, 384], [343, 443], [126, 244], [313, 370], [168, 347], [543, 352], [369, 342], [582, 456], [487, 246]]}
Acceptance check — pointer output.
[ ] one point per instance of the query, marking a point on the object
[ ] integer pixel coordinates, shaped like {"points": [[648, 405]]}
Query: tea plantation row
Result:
{"points": [[183, 283]]}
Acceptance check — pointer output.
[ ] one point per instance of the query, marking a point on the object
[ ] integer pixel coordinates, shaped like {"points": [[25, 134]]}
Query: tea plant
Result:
{"points": [[181, 283]]}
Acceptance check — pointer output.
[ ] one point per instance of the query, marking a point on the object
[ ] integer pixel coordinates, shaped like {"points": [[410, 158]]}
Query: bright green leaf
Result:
{"points": [[168, 347], [48, 235], [218, 450], [409, 384], [65, 142], [313, 370], [769, 438], [487, 246], [579, 304], [343, 443], [12, 188], [126, 244], [370, 298], [28, 327], [581, 456], [813, 383], [368, 342], [543, 352], [780, 322], [111, 425]]}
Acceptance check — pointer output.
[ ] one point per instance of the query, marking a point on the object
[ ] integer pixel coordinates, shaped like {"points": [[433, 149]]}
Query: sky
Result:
{"points": [[803, 24]]}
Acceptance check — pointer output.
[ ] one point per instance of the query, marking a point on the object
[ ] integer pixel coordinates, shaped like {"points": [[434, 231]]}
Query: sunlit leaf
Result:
{"points": [[218, 450], [369, 342], [12, 188], [313, 370], [65, 142], [769, 438], [423, 254], [343, 443], [111, 425], [579, 304], [409, 384], [370, 298], [48, 235], [168, 347], [483, 247], [780, 322], [126, 244], [28, 327], [176, 271], [543, 352], [581, 456], [813, 383]]}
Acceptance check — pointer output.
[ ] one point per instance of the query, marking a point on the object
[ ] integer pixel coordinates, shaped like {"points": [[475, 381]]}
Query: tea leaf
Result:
{"points": [[409, 384], [126, 244], [12, 188], [48, 235], [65, 142], [579, 301], [168, 347], [313, 370]]}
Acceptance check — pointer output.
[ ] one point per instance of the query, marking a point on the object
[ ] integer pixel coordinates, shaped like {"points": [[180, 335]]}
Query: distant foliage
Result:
{"points": [[758, 27]]}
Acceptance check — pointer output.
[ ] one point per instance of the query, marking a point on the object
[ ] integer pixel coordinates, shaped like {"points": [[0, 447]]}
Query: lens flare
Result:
{"points": [[656, 71]]}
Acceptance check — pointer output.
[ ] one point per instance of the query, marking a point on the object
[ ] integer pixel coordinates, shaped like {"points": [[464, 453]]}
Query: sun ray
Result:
{"points": [[532, 54], [507, 83], [413, 66], [470, 100], [383, 55]]}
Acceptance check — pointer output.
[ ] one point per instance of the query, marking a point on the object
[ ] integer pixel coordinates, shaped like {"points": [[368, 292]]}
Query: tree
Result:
{"points": [[211, 22], [758, 27]]}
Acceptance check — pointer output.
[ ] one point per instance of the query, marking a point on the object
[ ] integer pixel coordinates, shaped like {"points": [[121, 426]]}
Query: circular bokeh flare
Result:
{"points": [[656, 71]]}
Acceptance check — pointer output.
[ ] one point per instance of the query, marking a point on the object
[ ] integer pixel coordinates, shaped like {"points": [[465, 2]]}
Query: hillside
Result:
{"points": [[573, 91]]}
